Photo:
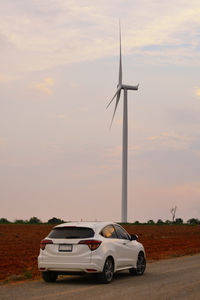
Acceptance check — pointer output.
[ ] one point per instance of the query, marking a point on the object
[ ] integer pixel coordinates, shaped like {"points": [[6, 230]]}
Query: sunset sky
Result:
{"points": [[59, 69]]}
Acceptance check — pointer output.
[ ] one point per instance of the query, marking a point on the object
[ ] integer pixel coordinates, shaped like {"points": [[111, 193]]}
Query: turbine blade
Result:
{"points": [[118, 89], [116, 104], [120, 56]]}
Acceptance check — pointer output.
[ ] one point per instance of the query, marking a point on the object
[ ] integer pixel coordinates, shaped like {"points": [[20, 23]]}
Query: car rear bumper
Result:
{"points": [[68, 267]]}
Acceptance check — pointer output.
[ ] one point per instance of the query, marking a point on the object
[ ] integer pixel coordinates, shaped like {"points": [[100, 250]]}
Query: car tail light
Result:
{"points": [[92, 244], [43, 243]]}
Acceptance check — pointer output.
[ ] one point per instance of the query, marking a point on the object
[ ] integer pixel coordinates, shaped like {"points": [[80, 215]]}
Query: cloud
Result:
{"points": [[41, 35], [61, 116], [189, 189], [2, 79], [170, 140], [117, 151], [45, 85], [197, 92], [159, 137]]}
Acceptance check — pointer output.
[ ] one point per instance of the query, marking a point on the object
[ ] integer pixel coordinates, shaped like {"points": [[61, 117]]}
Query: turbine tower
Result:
{"points": [[124, 87]]}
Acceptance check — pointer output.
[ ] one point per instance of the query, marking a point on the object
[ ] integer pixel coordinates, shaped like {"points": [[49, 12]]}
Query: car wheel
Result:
{"points": [[49, 276], [108, 271], [141, 265]]}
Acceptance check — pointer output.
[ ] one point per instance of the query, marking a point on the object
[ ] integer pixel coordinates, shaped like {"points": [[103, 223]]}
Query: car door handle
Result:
{"points": [[124, 244]]}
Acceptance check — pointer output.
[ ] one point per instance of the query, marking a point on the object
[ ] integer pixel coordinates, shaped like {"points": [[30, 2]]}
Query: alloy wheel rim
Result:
{"points": [[141, 264], [109, 270]]}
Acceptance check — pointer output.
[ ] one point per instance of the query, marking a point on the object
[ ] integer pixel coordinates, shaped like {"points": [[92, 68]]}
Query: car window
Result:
{"points": [[109, 232], [121, 233], [69, 232]]}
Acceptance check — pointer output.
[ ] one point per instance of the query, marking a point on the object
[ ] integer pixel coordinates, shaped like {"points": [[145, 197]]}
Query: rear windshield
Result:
{"points": [[71, 233]]}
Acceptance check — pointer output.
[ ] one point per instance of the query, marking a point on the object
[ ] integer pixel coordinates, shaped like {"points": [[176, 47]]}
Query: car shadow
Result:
{"points": [[91, 279], [77, 280]]}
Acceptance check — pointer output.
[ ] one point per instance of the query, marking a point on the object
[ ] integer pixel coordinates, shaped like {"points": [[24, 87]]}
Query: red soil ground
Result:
{"points": [[19, 245]]}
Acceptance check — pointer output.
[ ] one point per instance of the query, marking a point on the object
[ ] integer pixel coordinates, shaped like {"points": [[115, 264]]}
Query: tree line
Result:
{"points": [[54, 220], [32, 220]]}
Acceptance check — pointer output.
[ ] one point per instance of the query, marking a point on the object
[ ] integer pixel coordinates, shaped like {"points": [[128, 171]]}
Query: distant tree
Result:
{"points": [[55, 221], [168, 222], [34, 220], [178, 221], [150, 222], [160, 222], [193, 221], [20, 221], [4, 221], [136, 223], [173, 212]]}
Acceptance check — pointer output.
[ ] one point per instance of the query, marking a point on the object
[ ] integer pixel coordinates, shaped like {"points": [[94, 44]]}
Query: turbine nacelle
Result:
{"points": [[129, 87]]}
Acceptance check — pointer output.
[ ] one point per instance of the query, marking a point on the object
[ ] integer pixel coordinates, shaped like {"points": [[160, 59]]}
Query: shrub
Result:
{"points": [[55, 221], [136, 223], [34, 220], [4, 221], [160, 222], [151, 222], [20, 221], [168, 222], [178, 221], [193, 221]]}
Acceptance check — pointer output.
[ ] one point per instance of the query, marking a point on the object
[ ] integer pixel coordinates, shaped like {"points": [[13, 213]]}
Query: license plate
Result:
{"points": [[65, 248]]}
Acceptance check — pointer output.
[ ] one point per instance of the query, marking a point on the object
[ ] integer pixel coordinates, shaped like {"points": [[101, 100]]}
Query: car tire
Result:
{"points": [[108, 271], [141, 265], [49, 276]]}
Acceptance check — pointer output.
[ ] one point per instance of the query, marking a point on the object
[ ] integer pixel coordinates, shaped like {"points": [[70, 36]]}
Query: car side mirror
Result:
{"points": [[134, 237]]}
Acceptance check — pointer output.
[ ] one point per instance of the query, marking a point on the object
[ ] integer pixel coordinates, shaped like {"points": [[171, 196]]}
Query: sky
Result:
{"points": [[59, 65]]}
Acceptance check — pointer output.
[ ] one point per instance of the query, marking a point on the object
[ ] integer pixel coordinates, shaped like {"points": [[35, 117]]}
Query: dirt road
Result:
{"points": [[177, 278]]}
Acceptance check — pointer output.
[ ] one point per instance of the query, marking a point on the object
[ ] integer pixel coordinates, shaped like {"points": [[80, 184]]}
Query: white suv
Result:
{"points": [[90, 247]]}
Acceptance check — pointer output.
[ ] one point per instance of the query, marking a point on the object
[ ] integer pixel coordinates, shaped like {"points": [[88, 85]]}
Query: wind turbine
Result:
{"points": [[117, 94]]}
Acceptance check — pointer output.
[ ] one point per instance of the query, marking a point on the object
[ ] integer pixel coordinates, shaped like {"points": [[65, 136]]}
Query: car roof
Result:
{"points": [[94, 225]]}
